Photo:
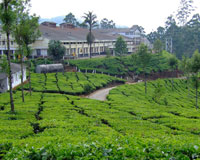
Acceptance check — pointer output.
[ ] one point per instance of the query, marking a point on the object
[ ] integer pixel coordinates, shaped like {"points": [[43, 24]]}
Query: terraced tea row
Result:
{"points": [[70, 83], [130, 125]]}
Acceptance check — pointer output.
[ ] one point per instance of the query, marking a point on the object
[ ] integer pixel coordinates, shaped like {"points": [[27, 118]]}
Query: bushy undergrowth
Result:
{"points": [[129, 125], [121, 66]]}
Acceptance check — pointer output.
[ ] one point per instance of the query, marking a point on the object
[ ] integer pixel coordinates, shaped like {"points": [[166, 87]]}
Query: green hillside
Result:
{"points": [[129, 125], [73, 83], [122, 66]]}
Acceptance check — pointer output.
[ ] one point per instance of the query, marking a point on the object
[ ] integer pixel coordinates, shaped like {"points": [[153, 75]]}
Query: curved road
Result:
{"points": [[100, 94]]}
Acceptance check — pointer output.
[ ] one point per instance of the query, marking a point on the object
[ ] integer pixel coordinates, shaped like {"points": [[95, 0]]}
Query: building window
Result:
{"points": [[12, 42], [67, 51], [38, 52], [5, 52], [3, 42]]}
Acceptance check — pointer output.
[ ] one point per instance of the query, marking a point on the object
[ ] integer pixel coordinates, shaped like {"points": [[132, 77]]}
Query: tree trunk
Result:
{"points": [[22, 76], [90, 30], [29, 77], [197, 94], [10, 73], [90, 50], [145, 81], [188, 87]]}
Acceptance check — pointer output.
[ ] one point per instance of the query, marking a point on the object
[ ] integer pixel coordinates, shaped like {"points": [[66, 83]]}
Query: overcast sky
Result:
{"points": [[148, 13]]}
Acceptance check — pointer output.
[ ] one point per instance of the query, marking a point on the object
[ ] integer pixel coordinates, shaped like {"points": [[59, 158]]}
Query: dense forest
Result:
{"points": [[180, 40]]}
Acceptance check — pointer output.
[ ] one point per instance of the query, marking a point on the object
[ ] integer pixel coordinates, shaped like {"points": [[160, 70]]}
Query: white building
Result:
{"points": [[74, 39], [16, 78]]}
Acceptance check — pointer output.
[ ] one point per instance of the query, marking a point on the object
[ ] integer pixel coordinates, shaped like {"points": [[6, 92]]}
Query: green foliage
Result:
{"points": [[184, 38], [26, 31], [159, 92], [56, 49], [90, 38], [70, 83], [106, 24], [195, 62], [185, 9], [185, 65], [90, 20], [129, 125], [144, 56], [70, 18], [173, 62], [108, 53], [87, 88], [158, 46], [4, 65], [120, 47], [8, 15], [121, 66]]}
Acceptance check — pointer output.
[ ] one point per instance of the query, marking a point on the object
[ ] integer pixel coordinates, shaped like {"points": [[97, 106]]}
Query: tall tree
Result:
{"points": [[26, 32], [106, 24], [70, 18], [8, 15], [17, 32], [158, 46], [195, 68], [185, 9], [120, 46], [56, 50], [31, 34], [144, 58], [82, 25], [90, 20], [185, 66], [173, 63]]}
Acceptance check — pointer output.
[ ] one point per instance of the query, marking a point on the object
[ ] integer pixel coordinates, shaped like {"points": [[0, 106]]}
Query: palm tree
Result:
{"points": [[90, 20]]}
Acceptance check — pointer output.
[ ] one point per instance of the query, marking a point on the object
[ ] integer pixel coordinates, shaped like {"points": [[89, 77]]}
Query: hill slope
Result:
{"points": [[122, 66], [130, 125]]}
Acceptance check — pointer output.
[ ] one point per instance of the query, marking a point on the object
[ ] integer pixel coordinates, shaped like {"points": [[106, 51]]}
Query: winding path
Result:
{"points": [[100, 94]]}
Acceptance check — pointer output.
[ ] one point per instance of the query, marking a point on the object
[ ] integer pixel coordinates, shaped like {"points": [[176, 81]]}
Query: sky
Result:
{"points": [[149, 14]]}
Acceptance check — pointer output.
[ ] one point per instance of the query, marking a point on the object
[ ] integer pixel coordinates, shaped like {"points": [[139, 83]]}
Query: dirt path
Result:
{"points": [[100, 94]]}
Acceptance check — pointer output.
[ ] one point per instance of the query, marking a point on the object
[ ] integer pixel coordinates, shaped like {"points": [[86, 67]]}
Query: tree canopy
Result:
{"points": [[184, 40], [56, 49], [120, 46], [70, 18], [90, 20], [107, 24]]}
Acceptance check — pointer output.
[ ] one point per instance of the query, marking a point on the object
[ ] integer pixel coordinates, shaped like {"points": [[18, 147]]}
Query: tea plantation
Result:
{"points": [[73, 83], [163, 124], [122, 66]]}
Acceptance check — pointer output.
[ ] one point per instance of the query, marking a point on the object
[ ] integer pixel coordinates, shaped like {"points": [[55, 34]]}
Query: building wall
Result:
{"points": [[3, 45], [3, 85], [16, 79], [76, 48]]}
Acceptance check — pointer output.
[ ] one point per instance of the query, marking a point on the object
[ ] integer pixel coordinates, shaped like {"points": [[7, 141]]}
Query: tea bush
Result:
{"points": [[129, 125]]}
